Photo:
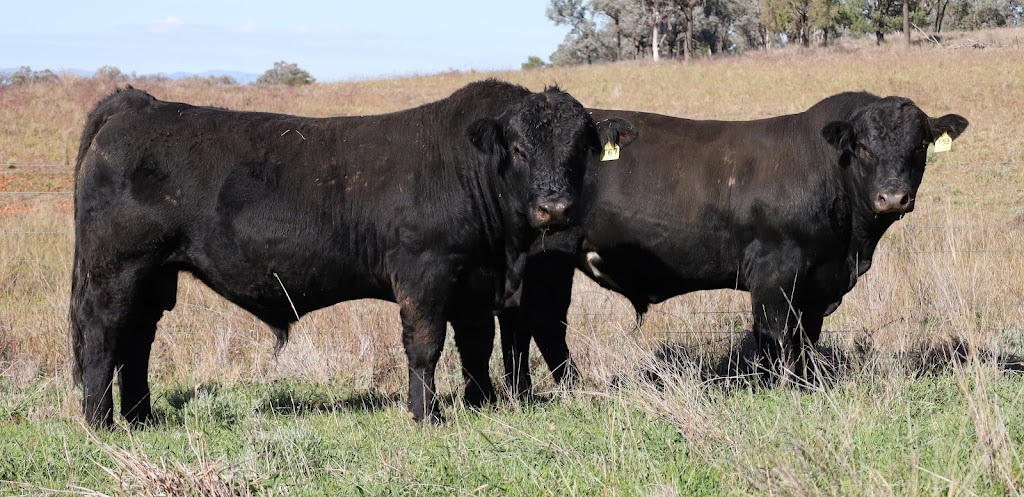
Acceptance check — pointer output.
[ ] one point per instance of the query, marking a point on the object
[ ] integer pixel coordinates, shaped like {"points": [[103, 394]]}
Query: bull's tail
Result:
{"points": [[640, 306], [122, 100], [74, 317]]}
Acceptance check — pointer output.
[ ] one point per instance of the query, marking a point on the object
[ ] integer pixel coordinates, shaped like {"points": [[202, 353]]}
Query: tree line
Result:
{"points": [[283, 73], [610, 30]]}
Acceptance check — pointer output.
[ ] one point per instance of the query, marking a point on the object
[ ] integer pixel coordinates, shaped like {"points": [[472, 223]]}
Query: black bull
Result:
{"points": [[433, 208], [789, 208]]}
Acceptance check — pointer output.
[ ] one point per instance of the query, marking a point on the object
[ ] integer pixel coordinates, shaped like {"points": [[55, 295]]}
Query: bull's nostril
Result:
{"points": [[898, 201], [551, 212]]}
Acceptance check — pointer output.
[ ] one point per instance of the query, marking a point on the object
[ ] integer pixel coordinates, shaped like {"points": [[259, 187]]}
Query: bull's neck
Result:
{"points": [[494, 202], [507, 234]]}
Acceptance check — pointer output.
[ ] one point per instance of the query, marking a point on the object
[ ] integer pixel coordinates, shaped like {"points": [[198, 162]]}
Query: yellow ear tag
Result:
{"points": [[610, 152], [943, 144]]}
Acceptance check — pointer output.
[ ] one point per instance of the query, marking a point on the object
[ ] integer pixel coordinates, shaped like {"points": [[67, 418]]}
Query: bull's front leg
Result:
{"points": [[423, 329], [546, 295], [785, 337], [802, 344], [771, 331], [775, 278]]}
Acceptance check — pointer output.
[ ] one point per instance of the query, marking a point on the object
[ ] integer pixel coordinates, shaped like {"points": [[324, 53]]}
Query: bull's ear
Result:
{"points": [[615, 130], [487, 135], [839, 134], [949, 123]]}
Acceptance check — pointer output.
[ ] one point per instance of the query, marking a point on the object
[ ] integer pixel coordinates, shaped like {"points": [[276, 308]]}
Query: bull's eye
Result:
{"points": [[518, 152], [866, 154]]}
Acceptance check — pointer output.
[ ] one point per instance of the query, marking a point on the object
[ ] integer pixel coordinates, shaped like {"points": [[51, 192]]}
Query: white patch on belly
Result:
{"points": [[593, 259]]}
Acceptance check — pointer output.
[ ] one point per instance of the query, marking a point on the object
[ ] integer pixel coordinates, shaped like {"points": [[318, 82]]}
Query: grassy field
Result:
{"points": [[927, 397]]}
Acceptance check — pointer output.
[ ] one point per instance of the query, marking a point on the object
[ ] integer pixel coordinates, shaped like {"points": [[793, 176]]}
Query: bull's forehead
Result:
{"points": [[893, 123], [551, 118]]}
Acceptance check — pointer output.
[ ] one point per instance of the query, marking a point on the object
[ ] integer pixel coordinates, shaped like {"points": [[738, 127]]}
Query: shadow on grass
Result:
{"points": [[299, 402], [743, 366], [228, 405], [293, 403]]}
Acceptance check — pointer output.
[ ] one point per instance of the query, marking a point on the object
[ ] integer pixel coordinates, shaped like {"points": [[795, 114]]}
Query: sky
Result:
{"points": [[333, 40]]}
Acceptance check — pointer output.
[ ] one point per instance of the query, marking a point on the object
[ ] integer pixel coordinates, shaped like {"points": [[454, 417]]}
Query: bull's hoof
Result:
{"points": [[138, 414], [98, 421], [476, 396], [567, 375], [433, 418], [140, 420], [521, 387], [104, 424]]}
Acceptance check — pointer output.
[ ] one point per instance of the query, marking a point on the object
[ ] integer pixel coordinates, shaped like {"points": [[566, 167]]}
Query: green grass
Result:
{"points": [[300, 440], [868, 438], [899, 435]]}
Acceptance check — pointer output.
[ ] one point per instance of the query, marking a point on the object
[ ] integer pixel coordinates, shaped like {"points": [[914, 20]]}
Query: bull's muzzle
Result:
{"points": [[550, 214], [897, 201]]}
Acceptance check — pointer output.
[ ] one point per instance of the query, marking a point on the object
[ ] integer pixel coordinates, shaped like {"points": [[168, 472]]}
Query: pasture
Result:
{"points": [[926, 393]]}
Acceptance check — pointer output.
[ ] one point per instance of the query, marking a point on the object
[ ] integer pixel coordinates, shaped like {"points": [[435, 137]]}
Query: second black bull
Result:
{"points": [[789, 208]]}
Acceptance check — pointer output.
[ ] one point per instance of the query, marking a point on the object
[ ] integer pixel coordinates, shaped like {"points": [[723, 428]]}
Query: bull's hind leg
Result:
{"points": [[105, 306], [91, 307], [474, 337], [155, 295]]}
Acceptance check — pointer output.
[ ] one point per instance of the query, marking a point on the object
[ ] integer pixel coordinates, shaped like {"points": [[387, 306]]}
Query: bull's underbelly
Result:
{"points": [[281, 292], [645, 276], [641, 276], [279, 285]]}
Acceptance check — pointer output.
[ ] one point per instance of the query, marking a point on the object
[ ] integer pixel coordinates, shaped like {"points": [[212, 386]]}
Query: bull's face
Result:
{"points": [[886, 144], [543, 142]]}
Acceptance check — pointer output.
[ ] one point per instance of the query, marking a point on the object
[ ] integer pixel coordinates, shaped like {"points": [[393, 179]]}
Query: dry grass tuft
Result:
{"points": [[137, 474]]}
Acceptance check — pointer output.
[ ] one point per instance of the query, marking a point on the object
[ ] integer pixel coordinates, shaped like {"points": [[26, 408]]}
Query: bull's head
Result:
{"points": [[544, 141], [886, 143]]}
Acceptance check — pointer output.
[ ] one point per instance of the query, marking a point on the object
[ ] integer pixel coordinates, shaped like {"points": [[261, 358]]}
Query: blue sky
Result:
{"points": [[332, 40]]}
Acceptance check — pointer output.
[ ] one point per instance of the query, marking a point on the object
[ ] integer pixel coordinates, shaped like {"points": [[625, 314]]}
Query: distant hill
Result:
{"points": [[242, 78]]}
